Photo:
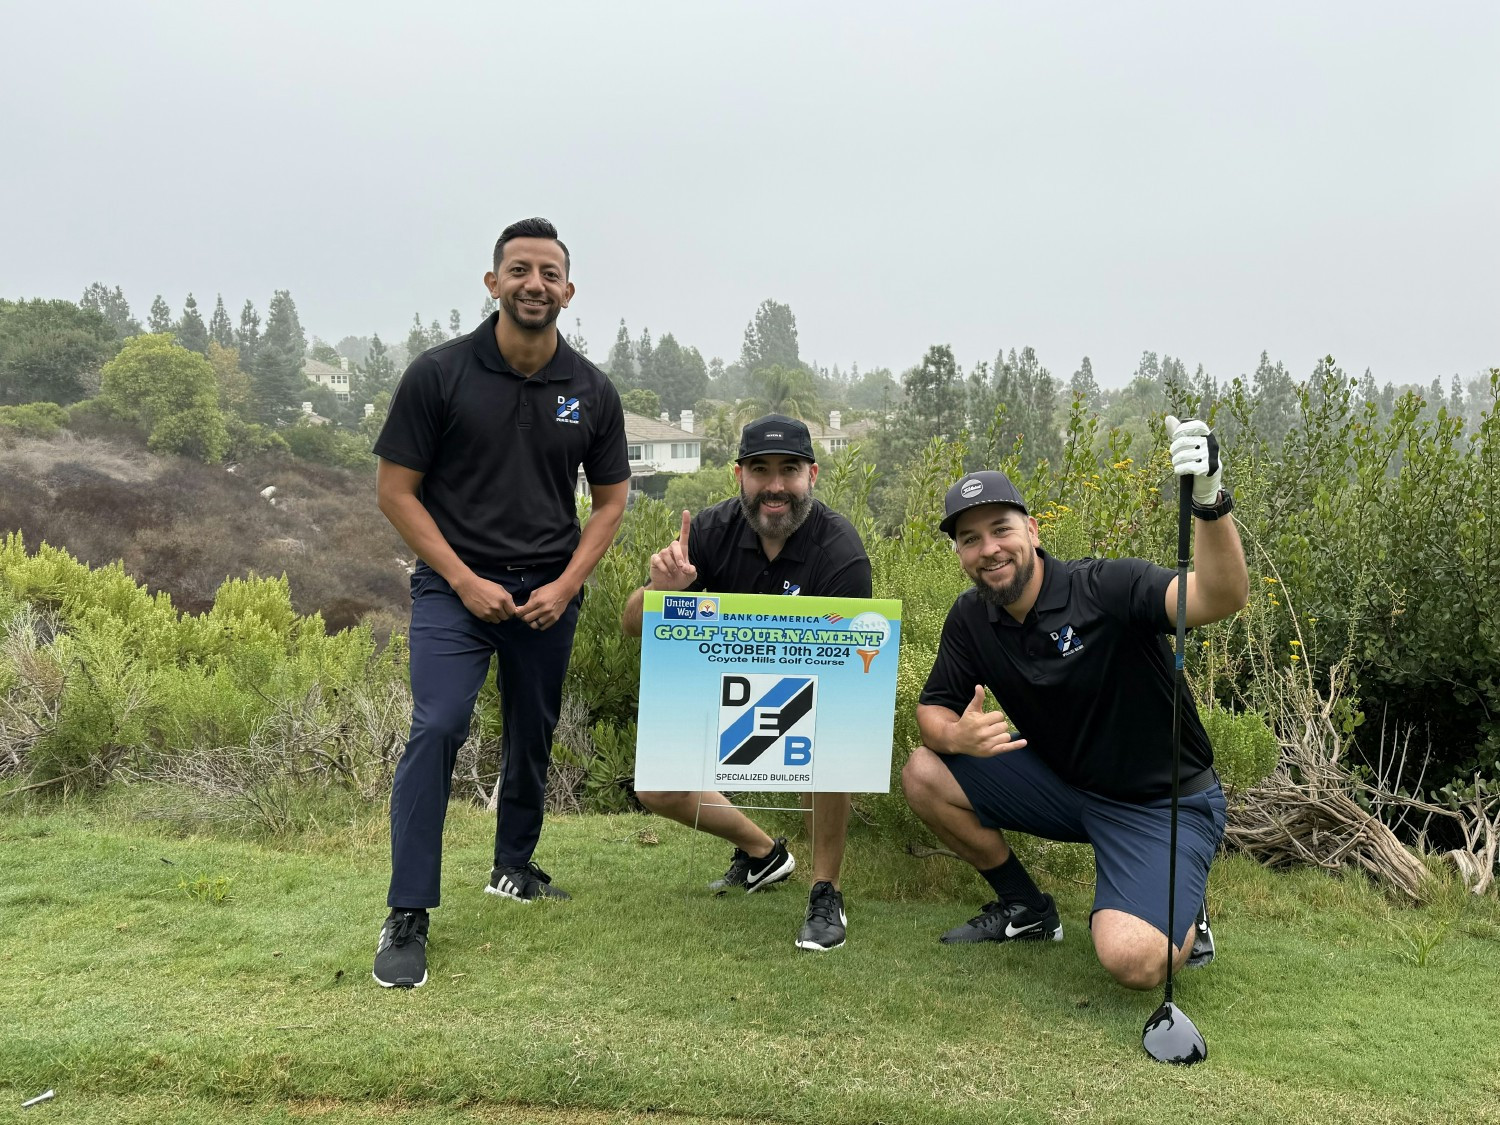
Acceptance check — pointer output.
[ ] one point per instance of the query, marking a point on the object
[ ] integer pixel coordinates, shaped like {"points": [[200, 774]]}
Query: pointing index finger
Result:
{"points": [[687, 521]]}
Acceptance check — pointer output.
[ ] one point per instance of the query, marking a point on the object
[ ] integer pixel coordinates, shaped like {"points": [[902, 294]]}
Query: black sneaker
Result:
{"points": [[739, 868], [772, 868], [1013, 922], [824, 928], [401, 956], [524, 884], [1203, 941]]}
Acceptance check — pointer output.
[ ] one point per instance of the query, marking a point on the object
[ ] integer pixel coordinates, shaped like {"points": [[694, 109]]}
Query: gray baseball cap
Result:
{"points": [[974, 489]]}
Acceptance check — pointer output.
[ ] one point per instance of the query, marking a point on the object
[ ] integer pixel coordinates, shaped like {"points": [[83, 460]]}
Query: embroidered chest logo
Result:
{"points": [[567, 409], [789, 587], [1068, 642]]}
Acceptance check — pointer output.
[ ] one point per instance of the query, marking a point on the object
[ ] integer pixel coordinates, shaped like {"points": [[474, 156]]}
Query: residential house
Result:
{"points": [[654, 446], [336, 379]]}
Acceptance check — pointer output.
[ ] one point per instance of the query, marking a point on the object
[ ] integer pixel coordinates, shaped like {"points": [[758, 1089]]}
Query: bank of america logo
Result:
{"points": [[761, 712]]}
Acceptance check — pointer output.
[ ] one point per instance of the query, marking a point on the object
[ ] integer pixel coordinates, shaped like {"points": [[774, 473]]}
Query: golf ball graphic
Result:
{"points": [[872, 622]]}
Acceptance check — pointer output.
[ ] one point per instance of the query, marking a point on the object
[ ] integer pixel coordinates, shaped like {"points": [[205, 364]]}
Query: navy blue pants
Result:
{"points": [[450, 656]]}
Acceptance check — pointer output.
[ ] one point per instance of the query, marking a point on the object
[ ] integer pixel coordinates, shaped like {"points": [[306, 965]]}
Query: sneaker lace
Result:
{"points": [[406, 926], [823, 904], [541, 875], [738, 865], [990, 914]]}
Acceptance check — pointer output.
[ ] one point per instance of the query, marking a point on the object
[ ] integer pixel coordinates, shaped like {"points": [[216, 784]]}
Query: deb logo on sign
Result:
{"points": [[767, 715]]}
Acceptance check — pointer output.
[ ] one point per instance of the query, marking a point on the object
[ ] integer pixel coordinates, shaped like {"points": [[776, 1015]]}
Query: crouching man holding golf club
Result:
{"points": [[1078, 655]]}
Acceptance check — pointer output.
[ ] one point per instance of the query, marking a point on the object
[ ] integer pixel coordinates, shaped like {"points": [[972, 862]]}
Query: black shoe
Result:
{"points": [[1013, 922], [824, 928], [524, 884], [739, 868], [1203, 941], [769, 869], [401, 956]]}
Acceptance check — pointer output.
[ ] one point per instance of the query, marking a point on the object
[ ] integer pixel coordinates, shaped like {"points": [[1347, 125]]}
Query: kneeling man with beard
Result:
{"points": [[774, 538], [1076, 652]]}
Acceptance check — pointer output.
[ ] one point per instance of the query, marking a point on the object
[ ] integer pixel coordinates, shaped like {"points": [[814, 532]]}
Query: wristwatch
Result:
{"points": [[1222, 506]]}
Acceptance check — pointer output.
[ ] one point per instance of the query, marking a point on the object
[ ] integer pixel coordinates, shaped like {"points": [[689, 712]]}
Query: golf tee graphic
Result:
{"points": [[759, 692]]}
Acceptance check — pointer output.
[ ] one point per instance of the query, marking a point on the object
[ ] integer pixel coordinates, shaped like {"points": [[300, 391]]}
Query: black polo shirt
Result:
{"points": [[1087, 678], [821, 559], [500, 452]]}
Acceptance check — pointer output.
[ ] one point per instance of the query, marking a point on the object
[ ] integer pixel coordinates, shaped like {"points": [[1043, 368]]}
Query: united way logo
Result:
{"points": [[768, 721], [567, 409], [1068, 642], [707, 609], [679, 609]]}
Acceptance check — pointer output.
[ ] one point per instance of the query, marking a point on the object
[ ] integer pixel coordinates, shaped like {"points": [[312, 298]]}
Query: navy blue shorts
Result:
{"points": [[1017, 791]]}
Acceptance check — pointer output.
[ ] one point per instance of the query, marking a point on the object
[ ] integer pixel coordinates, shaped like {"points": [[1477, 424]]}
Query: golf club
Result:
{"points": [[1169, 1036]]}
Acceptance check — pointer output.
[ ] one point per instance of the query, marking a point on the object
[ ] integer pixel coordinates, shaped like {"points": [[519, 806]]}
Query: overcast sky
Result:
{"points": [[1206, 181]]}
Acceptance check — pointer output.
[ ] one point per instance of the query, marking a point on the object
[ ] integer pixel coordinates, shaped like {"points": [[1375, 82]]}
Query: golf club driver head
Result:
{"points": [[1171, 1037]]}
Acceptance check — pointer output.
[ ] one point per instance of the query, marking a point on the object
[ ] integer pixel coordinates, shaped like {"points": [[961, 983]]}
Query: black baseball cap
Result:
{"points": [[974, 489], [776, 433]]}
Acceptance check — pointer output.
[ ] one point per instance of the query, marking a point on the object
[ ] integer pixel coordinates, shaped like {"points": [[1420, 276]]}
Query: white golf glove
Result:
{"points": [[1195, 452]]}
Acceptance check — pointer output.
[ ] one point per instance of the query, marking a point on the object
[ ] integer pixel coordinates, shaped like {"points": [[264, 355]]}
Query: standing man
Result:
{"points": [[1077, 654], [479, 460], [773, 539]]}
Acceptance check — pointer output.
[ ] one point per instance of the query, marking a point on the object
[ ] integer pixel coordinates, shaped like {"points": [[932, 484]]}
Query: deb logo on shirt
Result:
{"points": [[1068, 642], [567, 409]]}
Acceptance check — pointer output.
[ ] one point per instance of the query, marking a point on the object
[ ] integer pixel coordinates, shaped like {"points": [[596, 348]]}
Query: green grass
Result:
{"points": [[646, 999]]}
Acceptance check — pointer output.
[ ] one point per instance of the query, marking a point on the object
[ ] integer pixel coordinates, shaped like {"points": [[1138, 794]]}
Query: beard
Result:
{"points": [[528, 318], [1002, 596], [781, 525]]}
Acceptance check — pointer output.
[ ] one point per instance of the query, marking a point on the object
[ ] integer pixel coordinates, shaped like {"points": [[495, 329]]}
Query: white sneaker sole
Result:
{"points": [[498, 893], [776, 876], [398, 984]]}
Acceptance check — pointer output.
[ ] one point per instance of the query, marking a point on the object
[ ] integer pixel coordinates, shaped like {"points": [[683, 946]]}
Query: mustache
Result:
{"points": [[774, 498]]}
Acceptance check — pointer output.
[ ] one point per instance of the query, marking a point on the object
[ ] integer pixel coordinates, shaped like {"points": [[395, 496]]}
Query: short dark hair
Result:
{"points": [[531, 228]]}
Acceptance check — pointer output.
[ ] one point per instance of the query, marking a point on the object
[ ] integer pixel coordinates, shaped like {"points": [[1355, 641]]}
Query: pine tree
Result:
{"points": [[487, 310], [160, 317], [1083, 383], [621, 362], [416, 339], [191, 331], [220, 330], [770, 338], [247, 337], [378, 374], [279, 382], [455, 323], [113, 307]]}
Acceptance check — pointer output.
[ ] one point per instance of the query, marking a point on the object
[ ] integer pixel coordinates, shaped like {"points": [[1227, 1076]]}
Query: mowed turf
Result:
{"points": [[648, 999]]}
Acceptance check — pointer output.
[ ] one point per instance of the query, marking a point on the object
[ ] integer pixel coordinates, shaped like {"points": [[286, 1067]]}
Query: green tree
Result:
{"points": [[935, 393], [277, 370], [171, 393], [876, 389], [720, 434], [324, 352], [645, 366], [638, 400], [1276, 409], [487, 309], [160, 318], [220, 328], [696, 491], [236, 395], [247, 337], [113, 307], [780, 390], [419, 339], [1028, 393], [680, 376], [192, 333], [455, 323], [771, 339], [1083, 383], [51, 351], [621, 362], [378, 374]]}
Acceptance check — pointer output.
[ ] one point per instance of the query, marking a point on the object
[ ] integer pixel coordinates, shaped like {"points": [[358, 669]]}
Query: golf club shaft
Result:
{"points": [[1179, 691]]}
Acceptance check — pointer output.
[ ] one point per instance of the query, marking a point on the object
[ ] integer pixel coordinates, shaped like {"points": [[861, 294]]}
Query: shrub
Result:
{"points": [[33, 419]]}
